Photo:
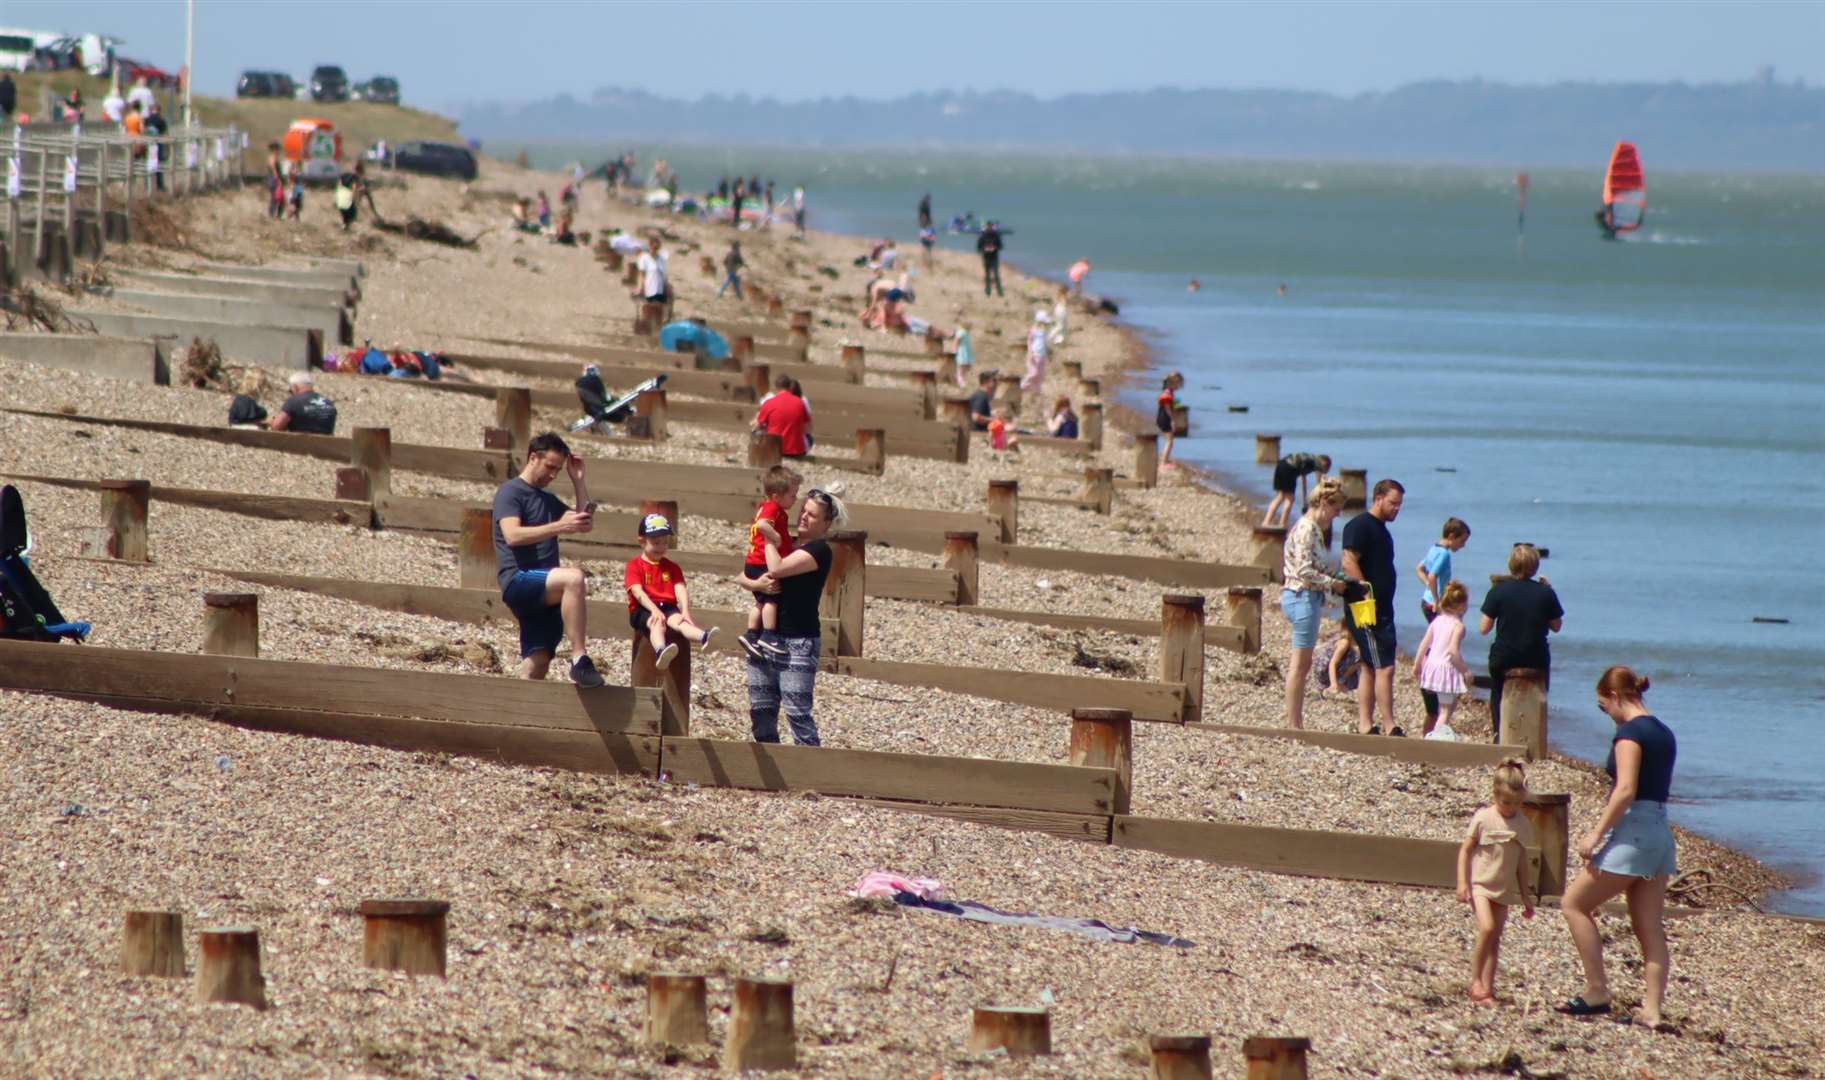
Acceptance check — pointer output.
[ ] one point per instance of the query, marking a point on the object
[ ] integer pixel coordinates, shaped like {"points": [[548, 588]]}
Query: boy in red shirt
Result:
{"points": [[656, 596], [781, 488]]}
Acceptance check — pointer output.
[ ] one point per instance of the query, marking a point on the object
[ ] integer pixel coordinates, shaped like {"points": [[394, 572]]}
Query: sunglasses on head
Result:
{"points": [[821, 496]]}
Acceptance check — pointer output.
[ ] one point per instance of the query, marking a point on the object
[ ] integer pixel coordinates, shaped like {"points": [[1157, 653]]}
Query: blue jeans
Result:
{"points": [[790, 683], [732, 279]]}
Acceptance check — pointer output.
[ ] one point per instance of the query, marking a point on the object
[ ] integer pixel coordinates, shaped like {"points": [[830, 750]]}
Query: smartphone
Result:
{"points": [[590, 506]]}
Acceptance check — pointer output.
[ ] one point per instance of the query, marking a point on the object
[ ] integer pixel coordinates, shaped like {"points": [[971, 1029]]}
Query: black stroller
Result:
{"points": [[30, 615], [600, 412]]}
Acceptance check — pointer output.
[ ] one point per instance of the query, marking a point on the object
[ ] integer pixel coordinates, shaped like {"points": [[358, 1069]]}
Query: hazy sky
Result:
{"points": [[450, 51]]}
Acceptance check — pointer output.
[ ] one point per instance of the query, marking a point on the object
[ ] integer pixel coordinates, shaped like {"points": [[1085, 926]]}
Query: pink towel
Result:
{"points": [[886, 883]]}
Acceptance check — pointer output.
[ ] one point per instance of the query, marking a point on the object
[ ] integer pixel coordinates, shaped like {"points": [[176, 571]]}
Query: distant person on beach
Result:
{"points": [[1281, 291], [737, 195], [1309, 577], [1368, 560], [731, 266], [275, 182], [550, 601], [655, 282], [1001, 428], [1061, 313], [156, 127], [888, 256], [798, 208], [965, 350], [925, 211], [1439, 666], [928, 237], [544, 211], [1039, 351], [297, 192], [982, 402], [9, 95], [767, 202], [1521, 611], [1630, 850], [1193, 285], [1163, 415], [1063, 423], [784, 413], [1290, 474], [305, 412], [1434, 572], [1079, 273], [245, 410], [1494, 873], [657, 600], [797, 579], [988, 245], [779, 490]]}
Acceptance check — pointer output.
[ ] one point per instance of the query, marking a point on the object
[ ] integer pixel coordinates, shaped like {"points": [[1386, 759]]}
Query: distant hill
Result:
{"points": [[1756, 125]]}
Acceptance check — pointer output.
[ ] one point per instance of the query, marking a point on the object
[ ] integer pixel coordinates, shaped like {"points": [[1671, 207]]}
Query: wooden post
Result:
{"points": [[1074, 369], [513, 411], [655, 317], [612, 261], [1020, 1032], [801, 319], [1099, 489], [1242, 607], [1089, 389], [742, 348], [956, 410], [229, 968], [498, 438], [1267, 449], [1007, 391], [371, 449], [934, 343], [1524, 711], [101, 202], [961, 555], [231, 624], [843, 590], [668, 507], [1267, 549], [1091, 430], [352, 483], [1182, 648], [1550, 813], [946, 370], [1004, 503], [651, 404], [675, 680], [630, 275], [123, 520], [761, 1033], [775, 306], [707, 264], [926, 382], [1180, 1057], [677, 1012], [760, 379], [763, 450], [404, 935], [1181, 420], [855, 362], [1147, 459], [799, 335], [152, 943], [1355, 488], [475, 551], [871, 448], [1104, 739], [1275, 1059]]}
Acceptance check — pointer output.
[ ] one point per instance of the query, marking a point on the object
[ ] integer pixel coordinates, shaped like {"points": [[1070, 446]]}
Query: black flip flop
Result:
{"points": [[1579, 1007]]}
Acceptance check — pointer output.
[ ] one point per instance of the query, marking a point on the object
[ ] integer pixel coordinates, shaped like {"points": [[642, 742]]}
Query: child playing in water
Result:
{"points": [[656, 596], [780, 486], [1440, 668], [1162, 418], [1493, 872]]}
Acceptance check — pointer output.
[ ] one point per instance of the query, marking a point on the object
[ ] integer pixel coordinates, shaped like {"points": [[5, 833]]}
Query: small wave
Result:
{"points": [[1675, 239], [1302, 185]]}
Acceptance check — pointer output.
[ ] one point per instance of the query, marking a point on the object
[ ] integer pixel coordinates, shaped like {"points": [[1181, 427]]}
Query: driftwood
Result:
{"points": [[434, 232], [24, 309]]}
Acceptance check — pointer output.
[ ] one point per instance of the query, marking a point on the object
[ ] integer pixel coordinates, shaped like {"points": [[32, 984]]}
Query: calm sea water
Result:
{"points": [[1652, 411]]}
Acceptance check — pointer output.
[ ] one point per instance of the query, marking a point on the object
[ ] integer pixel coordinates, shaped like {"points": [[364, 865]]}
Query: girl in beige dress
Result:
{"points": [[1493, 872]]}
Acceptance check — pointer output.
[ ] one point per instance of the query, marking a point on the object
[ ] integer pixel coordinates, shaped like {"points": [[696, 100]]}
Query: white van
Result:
{"points": [[16, 48]]}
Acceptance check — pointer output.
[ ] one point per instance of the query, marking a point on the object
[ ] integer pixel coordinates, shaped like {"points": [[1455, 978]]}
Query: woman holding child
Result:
{"points": [[797, 580], [1309, 577]]}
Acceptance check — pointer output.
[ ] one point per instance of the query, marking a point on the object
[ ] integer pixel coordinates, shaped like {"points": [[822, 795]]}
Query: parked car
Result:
{"points": [[259, 84], [61, 54], [17, 49], [132, 71], [382, 89], [329, 83], [435, 159]]}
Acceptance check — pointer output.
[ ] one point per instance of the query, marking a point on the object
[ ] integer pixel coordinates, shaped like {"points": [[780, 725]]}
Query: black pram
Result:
{"points": [[599, 411], [29, 613]]}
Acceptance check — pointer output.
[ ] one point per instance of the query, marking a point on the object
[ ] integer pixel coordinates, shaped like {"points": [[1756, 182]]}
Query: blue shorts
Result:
{"points": [[1376, 643], [1641, 845], [541, 624], [1305, 610]]}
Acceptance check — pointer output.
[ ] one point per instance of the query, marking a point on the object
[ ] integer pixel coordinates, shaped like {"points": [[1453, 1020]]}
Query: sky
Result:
{"points": [[447, 52]]}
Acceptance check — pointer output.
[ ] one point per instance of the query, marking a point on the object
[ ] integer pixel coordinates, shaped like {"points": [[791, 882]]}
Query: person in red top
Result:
{"points": [[781, 487], [1162, 417], [656, 596], [784, 414]]}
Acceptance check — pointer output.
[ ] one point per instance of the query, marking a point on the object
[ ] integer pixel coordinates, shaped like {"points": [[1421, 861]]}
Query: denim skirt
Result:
{"points": [[1304, 609], [1641, 845]]}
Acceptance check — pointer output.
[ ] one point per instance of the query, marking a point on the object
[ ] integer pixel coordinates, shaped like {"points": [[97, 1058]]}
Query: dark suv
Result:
{"points": [[256, 84], [382, 89], [329, 83], [436, 159]]}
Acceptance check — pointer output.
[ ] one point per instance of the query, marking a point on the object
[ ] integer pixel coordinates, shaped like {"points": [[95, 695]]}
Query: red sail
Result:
{"points": [[1624, 186]]}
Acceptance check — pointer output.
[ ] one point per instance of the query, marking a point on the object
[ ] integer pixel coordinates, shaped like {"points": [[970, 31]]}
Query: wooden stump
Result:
{"points": [[229, 967], [763, 450], [934, 343], [761, 1035], [675, 680], [855, 362], [405, 935], [1147, 459], [668, 507], [1074, 369], [1355, 488], [152, 943], [946, 370], [844, 587], [1180, 1057], [352, 483], [1182, 648], [800, 319], [1099, 489], [651, 404], [1090, 430], [1267, 449], [1020, 1032], [760, 379], [1550, 814], [497, 438], [799, 335], [1104, 738], [956, 410], [513, 411], [775, 306], [742, 348], [1267, 549], [1524, 711], [1007, 392], [371, 448], [1275, 1058], [677, 1013], [123, 520], [476, 567], [1242, 607], [961, 554], [707, 264], [1181, 420], [1004, 503], [871, 449], [231, 624], [926, 383], [1090, 389]]}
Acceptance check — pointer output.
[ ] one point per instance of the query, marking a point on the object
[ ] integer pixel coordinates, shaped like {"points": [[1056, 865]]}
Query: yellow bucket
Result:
{"points": [[1362, 612]]}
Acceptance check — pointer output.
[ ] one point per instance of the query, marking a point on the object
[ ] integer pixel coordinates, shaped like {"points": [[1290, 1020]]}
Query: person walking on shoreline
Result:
{"points": [[1308, 576], [1368, 557], [549, 600], [925, 211], [988, 245]]}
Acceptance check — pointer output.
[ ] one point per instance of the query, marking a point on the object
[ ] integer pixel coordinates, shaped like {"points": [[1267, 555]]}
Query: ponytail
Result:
{"points": [[1511, 775], [1622, 683]]}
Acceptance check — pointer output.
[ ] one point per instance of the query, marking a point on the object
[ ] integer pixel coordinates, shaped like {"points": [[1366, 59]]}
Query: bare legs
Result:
{"points": [[1490, 918], [1647, 913], [1370, 686], [1588, 891], [1281, 507], [564, 590], [1296, 675]]}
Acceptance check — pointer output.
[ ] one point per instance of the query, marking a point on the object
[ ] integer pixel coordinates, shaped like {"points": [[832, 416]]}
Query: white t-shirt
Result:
{"points": [[143, 95], [627, 245], [652, 274], [114, 107]]}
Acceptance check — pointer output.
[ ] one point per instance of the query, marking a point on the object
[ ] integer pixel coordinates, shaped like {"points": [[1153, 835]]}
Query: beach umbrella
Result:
{"points": [[675, 337]]}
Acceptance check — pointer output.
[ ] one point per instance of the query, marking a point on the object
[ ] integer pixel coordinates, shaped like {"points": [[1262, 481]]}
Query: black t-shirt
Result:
{"points": [[311, 413], [981, 404], [1658, 749], [1373, 544], [518, 499], [1521, 608], [245, 410], [799, 594], [989, 243]]}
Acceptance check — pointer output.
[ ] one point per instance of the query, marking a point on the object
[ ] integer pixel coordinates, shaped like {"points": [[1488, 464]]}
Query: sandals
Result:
{"points": [[1579, 1007]]}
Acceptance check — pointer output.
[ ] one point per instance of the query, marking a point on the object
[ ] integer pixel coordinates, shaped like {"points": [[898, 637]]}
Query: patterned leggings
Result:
{"points": [[790, 683]]}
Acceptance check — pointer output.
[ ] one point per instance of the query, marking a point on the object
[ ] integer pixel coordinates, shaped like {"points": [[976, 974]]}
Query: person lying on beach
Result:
{"points": [[1494, 873], [657, 600]]}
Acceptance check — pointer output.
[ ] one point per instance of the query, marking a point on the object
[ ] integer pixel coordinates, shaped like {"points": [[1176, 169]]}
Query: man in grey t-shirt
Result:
{"points": [[548, 600]]}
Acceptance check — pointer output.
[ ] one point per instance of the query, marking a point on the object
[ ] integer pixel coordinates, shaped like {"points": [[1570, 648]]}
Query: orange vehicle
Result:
{"points": [[315, 147]]}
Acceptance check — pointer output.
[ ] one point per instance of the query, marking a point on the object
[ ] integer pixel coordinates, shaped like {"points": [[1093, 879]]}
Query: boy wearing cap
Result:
{"points": [[656, 596]]}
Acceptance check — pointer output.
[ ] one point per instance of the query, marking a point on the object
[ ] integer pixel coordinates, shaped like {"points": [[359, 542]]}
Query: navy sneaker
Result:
{"points": [[583, 672], [750, 644]]}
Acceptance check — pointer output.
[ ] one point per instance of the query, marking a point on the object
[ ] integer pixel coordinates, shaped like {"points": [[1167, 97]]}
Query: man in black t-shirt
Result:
{"points": [[982, 402], [306, 411], [988, 245], [548, 600], [1368, 557], [1521, 610]]}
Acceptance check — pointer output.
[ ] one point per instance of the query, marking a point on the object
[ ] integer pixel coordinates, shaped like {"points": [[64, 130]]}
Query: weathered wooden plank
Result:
{"points": [[1425, 751], [1186, 573], [1157, 701], [911, 583], [271, 507], [875, 774], [1093, 828], [1047, 442], [281, 684], [1394, 860]]}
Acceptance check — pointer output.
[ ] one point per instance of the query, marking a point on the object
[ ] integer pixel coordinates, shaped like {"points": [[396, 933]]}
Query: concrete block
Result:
{"points": [[134, 359], [270, 346], [332, 322]]}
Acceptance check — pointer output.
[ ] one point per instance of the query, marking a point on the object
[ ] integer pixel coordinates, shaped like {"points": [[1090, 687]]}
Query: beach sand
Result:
{"points": [[566, 888]]}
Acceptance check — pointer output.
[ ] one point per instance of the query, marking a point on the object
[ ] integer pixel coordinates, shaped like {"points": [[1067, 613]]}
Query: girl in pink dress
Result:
{"points": [[1440, 666]]}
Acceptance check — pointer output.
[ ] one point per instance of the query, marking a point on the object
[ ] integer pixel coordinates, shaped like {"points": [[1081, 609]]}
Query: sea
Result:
{"points": [[1651, 411]]}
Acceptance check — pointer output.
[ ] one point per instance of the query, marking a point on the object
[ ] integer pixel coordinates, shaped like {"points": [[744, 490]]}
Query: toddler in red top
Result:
{"points": [[781, 488], [1162, 417], [657, 600]]}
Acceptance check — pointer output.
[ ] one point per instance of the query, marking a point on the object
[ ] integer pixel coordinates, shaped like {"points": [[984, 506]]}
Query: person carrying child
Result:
{"points": [[780, 485], [1440, 669], [657, 600], [1162, 417], [1494, 874], [1435, 573]]}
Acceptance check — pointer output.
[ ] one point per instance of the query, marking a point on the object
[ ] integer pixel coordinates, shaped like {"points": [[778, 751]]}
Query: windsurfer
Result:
{"points": [[1606, 220]]}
